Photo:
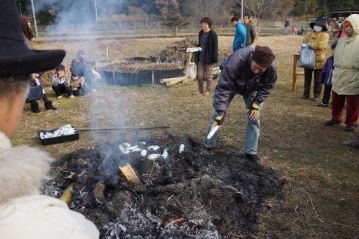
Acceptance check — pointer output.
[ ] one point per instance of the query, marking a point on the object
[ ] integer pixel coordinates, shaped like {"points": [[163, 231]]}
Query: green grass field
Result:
{"points": [[321, 197]]}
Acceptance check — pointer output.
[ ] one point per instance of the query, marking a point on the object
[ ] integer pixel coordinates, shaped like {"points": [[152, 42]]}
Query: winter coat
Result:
{"points": [[327, 72], [240, 37], [346, 61], [237, 77], [319, 42], [211, 48], [78, 66], [59, 81], [250, 34], [23, 212]]}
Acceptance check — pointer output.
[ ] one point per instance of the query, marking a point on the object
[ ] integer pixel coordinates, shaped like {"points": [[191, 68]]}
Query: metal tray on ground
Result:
{"points": [[59, 139]]}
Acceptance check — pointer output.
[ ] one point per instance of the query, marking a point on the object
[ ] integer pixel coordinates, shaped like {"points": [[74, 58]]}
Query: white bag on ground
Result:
{"points": [[191, 70], [306, 58]]}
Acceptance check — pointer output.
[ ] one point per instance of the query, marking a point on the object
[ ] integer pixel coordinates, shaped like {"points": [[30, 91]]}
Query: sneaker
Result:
{"points": [[72, 96], [323, 105], [350, 128], [59, 97], [332, 122], [304, 97]]}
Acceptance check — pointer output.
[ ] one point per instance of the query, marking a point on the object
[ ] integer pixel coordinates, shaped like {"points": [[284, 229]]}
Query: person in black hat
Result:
{"points": [[24, 213], [318, 41]]}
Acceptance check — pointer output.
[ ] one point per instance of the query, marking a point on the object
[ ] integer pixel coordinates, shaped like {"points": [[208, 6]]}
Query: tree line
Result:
{"points": [[177, 13]]}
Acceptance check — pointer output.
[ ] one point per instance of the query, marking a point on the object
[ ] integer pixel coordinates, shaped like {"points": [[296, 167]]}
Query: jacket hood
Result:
{"points": [[22, 170], [354, 21]]}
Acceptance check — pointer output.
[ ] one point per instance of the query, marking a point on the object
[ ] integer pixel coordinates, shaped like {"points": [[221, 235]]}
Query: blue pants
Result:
{"points": [[252, 129]]}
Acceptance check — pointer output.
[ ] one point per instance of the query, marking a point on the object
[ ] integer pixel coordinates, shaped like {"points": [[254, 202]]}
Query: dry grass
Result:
{"points": [[321, 198]]}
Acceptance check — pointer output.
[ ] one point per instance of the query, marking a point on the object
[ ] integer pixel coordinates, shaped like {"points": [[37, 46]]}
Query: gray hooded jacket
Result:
{"points": [[237, 77]]}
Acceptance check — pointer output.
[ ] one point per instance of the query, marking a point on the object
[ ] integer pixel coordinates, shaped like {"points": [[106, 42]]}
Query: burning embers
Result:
{"points": [[180, 191]]}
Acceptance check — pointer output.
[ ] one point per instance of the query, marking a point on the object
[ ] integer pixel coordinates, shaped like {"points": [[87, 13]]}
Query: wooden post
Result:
{"points": [[153, 77], [107, 53], [113, 77], [294, 72]]}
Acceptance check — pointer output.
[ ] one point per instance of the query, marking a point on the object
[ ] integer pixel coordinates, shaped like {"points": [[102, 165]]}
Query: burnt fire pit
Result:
{"points": [[140, 72], [164, 188]]}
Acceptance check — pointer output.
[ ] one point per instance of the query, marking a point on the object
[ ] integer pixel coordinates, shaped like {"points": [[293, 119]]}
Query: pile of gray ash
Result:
{"points": [[183, 191]]}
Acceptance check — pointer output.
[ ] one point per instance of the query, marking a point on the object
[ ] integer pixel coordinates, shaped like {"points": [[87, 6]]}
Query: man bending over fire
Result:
{"points": [[252, 74]]}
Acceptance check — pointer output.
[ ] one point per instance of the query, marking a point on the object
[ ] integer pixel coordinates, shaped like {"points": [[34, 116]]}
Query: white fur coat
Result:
{"points": [[23, 212]]}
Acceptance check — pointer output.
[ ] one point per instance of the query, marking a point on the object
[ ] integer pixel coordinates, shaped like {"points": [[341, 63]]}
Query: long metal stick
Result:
{"points": [[34, 16], [124, 128]]}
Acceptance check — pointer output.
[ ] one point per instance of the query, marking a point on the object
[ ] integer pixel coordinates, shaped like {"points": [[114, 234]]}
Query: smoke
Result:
{"points": [[79, 15], [109, 107]]}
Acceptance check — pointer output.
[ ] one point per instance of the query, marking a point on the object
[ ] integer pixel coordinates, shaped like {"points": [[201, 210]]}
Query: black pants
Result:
{"points": [[62, 89], [308, 81], [35, 106], [326, 94]]}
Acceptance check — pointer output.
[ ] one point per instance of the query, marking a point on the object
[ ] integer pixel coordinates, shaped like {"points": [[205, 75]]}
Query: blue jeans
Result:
{"points": [[252, 129]]}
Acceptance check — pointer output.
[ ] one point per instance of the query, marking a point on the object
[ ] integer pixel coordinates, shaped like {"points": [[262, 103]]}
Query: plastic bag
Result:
{"points": [[191, 71], [35, 93], [307, 57]]}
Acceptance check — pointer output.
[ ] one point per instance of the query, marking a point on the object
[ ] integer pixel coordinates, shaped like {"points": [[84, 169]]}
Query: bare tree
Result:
{"points": [[172, 17], [217, 10], [282, 8], [257, 7]]}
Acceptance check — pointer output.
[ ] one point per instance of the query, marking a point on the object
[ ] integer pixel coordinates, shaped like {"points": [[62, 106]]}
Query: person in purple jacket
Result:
{"points": [[327, 74], [251, 73]]}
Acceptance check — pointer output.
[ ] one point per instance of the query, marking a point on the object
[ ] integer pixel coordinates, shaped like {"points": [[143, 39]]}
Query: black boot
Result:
{"points": [[34, 106], [49, 106]]}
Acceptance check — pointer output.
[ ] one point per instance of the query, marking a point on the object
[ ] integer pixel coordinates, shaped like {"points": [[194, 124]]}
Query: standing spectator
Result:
{"points": [[24, 212], [240, 36], [327, 74], [346, 76], [26, 30], [37, 92], [251, 31], [286, 27], [60, 83], [251, 73], [318, 41], [294, 29], [208, 56]]}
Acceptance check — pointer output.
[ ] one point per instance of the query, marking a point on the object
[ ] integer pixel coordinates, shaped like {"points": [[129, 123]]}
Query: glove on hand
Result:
{"points": [[254, 110], [219, 120]]}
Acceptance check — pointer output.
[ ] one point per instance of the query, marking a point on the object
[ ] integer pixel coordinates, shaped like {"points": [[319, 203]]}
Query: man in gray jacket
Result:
{"points": [[252, 74]]}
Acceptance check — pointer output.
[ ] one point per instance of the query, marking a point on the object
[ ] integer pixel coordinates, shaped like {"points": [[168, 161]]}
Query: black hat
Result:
{"points": [[15, 57], [320, 21]]}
